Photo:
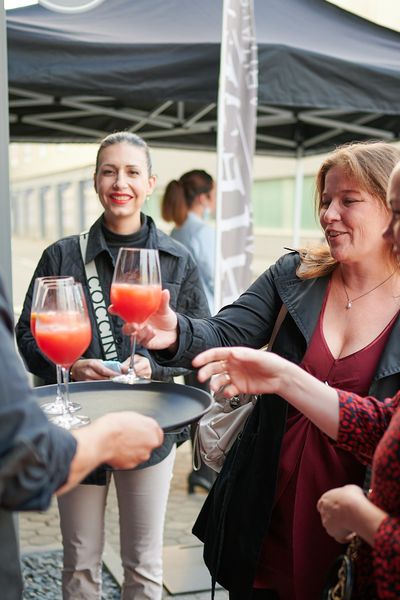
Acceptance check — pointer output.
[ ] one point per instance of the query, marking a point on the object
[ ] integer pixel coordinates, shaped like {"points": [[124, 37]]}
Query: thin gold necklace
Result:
{"points": [[350, 301]]}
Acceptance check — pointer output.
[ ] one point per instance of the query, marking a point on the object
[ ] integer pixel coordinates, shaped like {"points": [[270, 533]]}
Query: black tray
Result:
{"points": [[172, 405]]}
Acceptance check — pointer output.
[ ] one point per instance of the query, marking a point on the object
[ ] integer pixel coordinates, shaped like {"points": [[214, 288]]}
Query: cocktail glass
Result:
{"points": [[63, 333], [135, 295], [55, 407]]}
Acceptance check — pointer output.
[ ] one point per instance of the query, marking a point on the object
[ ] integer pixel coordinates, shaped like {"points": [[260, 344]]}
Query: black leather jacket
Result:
{"points": [[179, 275]]}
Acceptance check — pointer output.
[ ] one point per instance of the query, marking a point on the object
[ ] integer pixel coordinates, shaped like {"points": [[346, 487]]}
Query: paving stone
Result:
{"points": [[42, 577]]}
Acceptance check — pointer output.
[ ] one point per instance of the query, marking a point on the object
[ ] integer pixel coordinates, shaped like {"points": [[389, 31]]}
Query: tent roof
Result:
{"points": [[325, 76]]}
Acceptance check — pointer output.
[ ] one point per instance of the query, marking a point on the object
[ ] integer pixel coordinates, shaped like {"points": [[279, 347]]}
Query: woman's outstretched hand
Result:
{"points": [[240, 370], [160, 331], [247, 371]]}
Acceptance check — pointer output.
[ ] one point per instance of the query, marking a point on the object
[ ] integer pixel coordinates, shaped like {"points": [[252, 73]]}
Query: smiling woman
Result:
{"points": [[282, 463], [123, 179]]}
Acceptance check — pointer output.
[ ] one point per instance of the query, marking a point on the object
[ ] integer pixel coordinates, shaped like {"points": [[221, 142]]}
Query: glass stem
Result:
{"points": [[65, 395], [131, 368], [59, 395]]}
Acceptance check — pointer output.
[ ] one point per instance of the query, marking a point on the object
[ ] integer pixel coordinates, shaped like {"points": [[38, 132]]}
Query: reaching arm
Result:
{"points": [[244, 370]]}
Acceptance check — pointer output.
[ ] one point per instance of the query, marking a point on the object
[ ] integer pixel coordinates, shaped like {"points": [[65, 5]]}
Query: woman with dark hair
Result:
{"points": [[188, 202], [123, 180], [262, 532]]}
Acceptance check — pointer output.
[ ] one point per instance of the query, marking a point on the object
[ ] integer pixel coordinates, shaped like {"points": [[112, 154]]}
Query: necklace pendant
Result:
{"points": [[348, 305]]}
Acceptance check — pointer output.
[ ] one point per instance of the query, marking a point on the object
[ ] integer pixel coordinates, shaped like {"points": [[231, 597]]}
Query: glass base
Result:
{"points": [[130, 379], [56, 408], [69, 421]]}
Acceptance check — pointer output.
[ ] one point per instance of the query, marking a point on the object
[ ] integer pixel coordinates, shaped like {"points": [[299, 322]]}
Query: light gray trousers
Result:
{"points": [[142, 501]]}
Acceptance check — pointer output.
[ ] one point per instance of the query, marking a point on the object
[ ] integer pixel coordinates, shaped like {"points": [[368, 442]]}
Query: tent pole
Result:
{"points": [[298, 198], [5, 221], [220, 121]]}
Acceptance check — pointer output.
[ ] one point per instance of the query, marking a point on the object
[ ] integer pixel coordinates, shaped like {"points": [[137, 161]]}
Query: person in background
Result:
{"points": [[263, 535], [189, 202], [123, 180], [38, 459], [367, 428]]}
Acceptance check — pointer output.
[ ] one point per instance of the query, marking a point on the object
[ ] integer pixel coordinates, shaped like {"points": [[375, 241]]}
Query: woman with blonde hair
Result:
{"points": [[366, 427], [262, 532]]}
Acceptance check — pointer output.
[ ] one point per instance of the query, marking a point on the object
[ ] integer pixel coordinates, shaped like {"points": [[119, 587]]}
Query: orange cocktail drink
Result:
{"points": [[62, 336], [134, 303], [135, 295], [33, 323]]}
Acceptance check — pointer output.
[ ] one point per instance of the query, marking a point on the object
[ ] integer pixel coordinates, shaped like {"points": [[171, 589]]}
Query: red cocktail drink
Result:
{"points": [[135, 294], [62, 337], [33, 323], [134, 303], [39, 293]]}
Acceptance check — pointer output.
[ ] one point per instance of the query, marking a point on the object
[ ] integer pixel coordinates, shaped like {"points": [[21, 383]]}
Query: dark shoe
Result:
{"points": [[198, 479]]}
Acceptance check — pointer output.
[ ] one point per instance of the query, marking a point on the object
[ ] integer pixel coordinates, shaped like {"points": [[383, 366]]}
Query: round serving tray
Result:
{"points": [[172, 405]]}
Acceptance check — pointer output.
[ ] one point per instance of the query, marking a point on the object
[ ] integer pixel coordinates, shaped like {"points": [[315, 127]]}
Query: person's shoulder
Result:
{"points": [[172, 246], [206, 230], [62, 244], [288, 262]]}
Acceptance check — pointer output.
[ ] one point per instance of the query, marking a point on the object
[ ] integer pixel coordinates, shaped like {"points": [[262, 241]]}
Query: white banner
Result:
{"points": [[237, 114]]}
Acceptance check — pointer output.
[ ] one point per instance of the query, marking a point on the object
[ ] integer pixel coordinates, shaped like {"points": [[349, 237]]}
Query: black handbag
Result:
{"points": [[341, 577]]}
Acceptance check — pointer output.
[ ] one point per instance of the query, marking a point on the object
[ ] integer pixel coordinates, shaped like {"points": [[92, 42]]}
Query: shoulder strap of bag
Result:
{"points": [[279, 320], [99, 306]]}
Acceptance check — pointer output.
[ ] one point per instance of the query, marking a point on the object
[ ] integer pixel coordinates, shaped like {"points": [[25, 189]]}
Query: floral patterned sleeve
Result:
{"points": [[386, 557], [362, 423], [385, 493]]}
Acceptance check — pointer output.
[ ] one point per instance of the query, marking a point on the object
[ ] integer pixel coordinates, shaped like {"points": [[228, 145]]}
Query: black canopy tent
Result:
{"points": [[325, 76]]}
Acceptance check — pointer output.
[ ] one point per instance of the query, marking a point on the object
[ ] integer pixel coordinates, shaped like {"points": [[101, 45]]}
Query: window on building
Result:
{"points": [[273, 203]]}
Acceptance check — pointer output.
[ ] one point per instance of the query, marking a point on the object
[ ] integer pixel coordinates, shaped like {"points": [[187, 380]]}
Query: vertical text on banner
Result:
{"points": [[237, 114]]}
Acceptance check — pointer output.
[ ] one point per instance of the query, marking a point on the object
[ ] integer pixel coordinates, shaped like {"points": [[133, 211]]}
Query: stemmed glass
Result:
{"points": [[55, 407], [135, 294], [63, 333]]}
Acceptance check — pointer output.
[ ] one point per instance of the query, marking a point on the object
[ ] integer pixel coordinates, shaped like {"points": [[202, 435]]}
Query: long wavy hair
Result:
{"points": [[370, 164]]}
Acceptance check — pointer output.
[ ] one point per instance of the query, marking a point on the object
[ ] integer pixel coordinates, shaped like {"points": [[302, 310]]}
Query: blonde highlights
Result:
{"points": [[370, 164]]}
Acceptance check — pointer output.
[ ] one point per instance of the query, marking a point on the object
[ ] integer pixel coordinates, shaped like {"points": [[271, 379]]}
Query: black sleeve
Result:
{"points": [[35, 456], [191, 301], [247, 322]]}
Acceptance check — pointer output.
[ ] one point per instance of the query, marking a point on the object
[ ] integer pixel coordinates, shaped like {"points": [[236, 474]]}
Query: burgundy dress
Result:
{"points": [[363, 422], [297, 552]]}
